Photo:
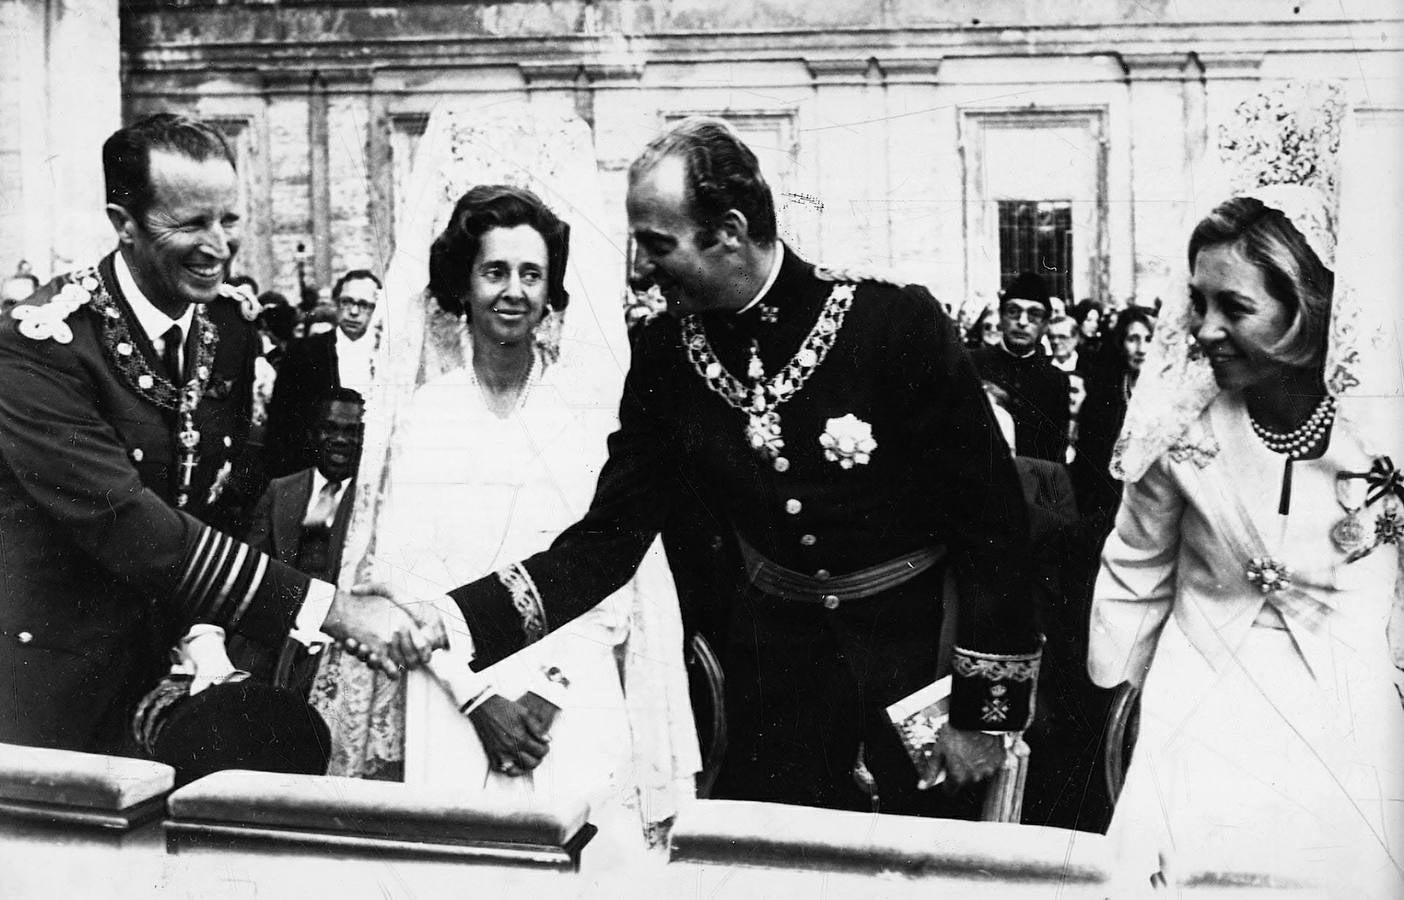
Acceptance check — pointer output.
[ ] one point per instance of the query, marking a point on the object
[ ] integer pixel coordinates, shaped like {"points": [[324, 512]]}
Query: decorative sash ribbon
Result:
{"points": [[1384, 479]]}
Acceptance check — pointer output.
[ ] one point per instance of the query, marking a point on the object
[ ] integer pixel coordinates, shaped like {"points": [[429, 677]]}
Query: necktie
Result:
{"points": [[170, 354], [323, 512]]}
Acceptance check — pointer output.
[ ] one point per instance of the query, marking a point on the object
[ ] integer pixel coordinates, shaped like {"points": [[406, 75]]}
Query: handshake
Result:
{"points": [[383, 632]]}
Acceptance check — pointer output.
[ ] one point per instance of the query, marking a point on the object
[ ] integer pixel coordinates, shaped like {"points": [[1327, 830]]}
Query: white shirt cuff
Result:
{"points": [[307, 628]]}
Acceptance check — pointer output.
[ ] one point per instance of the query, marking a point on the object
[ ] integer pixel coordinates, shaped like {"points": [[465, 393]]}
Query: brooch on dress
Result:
{"points": [[1269, 575]]}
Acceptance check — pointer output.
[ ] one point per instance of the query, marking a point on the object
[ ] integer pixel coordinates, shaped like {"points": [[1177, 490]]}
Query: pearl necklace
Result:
{"points": [[528, 381], [1300, 441]]}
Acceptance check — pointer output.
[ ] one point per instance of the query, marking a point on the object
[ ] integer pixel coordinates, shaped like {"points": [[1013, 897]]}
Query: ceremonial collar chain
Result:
{"points": [[152, 384], [1300, 441], [761, 398]]}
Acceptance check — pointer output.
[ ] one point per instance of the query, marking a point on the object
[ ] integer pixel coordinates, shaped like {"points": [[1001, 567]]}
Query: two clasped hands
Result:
{"points": [[394, 635], [383, 632]]}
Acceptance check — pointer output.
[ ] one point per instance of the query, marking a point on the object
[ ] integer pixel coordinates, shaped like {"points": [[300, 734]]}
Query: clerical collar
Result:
{"points": [[1032, 350], [154, 323], [769, 279]]}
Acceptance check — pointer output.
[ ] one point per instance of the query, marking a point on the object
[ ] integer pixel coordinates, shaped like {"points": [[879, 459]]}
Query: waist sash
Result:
{"points": [[778, 581]]}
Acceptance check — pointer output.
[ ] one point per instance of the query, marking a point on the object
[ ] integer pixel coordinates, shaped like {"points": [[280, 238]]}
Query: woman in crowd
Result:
{"points": [[985, 331], [1088, 314], [1248, 585], [483, 442], [1109, 387]]}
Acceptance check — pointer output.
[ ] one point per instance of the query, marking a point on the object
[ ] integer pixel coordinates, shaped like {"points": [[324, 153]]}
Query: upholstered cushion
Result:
{"points": [[764, 834], [81, 780], [377, 809]]}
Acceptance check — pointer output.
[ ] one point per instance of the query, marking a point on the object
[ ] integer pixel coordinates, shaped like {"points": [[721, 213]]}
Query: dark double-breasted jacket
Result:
{"points": [[102, 566], [936, 472]]}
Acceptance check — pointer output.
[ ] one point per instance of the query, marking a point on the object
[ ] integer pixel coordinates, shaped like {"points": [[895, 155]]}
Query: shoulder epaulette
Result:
{"points": [[48, 320], [855, 275], [248, 307]]}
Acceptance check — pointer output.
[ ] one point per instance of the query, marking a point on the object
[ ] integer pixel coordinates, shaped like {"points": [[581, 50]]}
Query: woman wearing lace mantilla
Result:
{"points": [[494, 447], [1250, 584]]}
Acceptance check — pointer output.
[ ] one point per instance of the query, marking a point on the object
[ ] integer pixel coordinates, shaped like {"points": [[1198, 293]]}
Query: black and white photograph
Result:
{"points": [[683, 448]]}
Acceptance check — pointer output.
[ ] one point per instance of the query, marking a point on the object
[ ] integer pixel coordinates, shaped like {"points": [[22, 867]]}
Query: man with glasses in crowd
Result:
{"points": [[1062, 342], [1038, 392], [340, 358]]}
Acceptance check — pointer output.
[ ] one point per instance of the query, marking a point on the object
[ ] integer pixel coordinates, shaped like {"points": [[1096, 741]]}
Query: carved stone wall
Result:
{"points": [[59, 99], [872, 117]]}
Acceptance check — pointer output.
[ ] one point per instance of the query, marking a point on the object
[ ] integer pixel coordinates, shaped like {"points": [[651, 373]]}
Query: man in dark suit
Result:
{"points": [[340, 357], [127, 394], [1038, 392], [836, 426], [301, 520]]}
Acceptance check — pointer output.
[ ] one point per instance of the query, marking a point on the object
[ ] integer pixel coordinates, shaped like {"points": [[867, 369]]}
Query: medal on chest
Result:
{"points": [[1351, 533]]}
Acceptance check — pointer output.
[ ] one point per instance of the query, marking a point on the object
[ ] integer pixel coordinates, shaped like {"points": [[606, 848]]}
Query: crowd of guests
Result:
{"points": [[537, 534]]}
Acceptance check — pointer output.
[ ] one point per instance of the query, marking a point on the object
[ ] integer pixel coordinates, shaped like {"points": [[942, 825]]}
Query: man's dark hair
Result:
{"points": [[338, 395], [241, 280], [720, 173], [477, 212], [278, 319], [126, 155], [354, 275]]}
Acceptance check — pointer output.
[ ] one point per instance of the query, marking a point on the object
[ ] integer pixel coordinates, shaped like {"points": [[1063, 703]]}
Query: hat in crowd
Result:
{"points": [[242, 725], [1030, 286]]}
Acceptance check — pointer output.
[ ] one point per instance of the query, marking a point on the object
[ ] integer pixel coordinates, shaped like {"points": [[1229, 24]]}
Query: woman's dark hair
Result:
{"points": [[1115, 348], [483, 208], [1082, 308], [1292, 272]]}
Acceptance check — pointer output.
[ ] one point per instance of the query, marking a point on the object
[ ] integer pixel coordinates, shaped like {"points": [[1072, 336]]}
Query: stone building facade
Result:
{"points": [[949, 140]]}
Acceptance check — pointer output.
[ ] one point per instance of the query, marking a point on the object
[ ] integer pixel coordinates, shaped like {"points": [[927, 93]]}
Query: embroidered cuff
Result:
{"points": [[993, 692], [527, 600]]}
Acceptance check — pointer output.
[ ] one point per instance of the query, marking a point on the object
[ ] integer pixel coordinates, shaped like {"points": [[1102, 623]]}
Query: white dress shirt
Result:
{"points": [[154, 323]]}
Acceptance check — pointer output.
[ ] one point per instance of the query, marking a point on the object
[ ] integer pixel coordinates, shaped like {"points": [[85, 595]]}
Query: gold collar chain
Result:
{"points": [[761, 398]]}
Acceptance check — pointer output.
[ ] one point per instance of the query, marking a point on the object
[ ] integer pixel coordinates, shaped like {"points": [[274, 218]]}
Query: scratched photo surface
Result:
{"points": [[652, 448]]}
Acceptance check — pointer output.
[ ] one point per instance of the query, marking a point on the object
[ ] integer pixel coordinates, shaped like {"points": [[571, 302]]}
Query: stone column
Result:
{"points": [[1162, 182], [852, 162], [60, 98]]}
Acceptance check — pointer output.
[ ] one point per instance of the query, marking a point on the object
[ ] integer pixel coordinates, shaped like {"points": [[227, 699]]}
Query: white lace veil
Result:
{"points": [[554, 157], [1285, 149]]}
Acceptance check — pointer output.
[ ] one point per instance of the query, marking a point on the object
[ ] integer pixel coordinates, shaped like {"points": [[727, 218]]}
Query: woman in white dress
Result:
{"points": [[1250, 581], [484, 440]]}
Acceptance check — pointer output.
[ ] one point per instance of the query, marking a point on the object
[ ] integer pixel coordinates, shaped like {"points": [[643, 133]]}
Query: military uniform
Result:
{"points": [[884, 451], [107, 470]]}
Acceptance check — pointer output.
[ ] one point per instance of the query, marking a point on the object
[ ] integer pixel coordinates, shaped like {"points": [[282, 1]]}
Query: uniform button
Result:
{"points": [[781, 464], [808, 540], [137, 454], [793, 506], [831, 601], [228, 441], [822, 574], [24, 637]]}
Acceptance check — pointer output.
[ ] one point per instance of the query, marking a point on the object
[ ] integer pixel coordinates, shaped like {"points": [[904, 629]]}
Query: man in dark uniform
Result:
{"points": [[840, 430], [128, 387], [1038, 392]]}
